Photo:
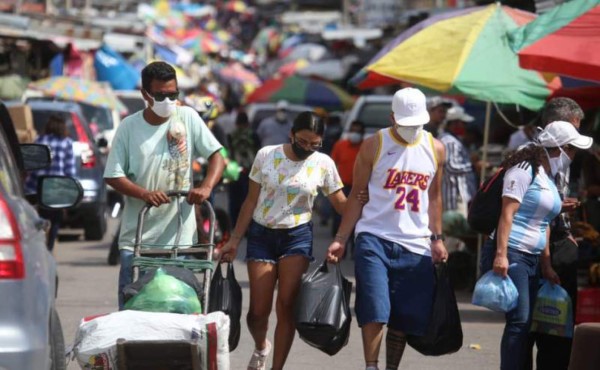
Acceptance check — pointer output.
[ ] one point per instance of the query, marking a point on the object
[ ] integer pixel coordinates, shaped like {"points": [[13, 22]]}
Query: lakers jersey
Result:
{"points": [[398, 192]]}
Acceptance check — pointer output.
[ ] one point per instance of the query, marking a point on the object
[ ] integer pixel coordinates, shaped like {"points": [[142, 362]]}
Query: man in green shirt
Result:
{"points": [[151, 153]]}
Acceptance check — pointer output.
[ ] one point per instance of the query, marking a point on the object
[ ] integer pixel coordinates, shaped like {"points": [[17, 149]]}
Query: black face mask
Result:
{"points": [[300, 152]]}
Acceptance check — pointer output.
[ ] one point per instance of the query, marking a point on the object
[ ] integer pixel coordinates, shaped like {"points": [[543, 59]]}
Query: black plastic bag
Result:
{"points": [[226, 295], [323, 309], [444, 334]]}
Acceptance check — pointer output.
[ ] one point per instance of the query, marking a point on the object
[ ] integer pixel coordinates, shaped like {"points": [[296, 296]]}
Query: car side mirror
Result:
{"points": [[59, 192], [35, 156]]}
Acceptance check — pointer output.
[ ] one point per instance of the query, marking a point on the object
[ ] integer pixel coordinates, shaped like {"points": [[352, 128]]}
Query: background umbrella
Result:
{"points": [[235, 72], [564, 41], [462, 52], [79, 90], [236, 6], [292, 67], [300, 90]]}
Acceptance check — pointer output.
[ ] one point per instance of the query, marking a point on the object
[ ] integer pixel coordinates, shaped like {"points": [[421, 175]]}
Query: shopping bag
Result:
{"points": [[95, 343], [323, 314], [495, 292], [165, 293], [444, 334], [553, 311], [226, 296]]}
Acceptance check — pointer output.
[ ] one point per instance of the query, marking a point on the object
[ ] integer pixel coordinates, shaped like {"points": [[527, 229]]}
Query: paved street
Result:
{"points": [[88, 286]]}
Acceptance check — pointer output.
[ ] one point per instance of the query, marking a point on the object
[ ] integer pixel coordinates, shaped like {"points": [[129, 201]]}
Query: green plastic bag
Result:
{"points": [[232, 169], [165, 293]]}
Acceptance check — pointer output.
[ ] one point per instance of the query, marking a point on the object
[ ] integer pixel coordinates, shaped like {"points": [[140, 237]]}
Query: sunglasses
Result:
{"points": [[306, 144], [160, 96]]}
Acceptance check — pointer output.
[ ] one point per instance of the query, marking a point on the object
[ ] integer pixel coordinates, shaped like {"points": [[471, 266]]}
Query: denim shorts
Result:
{"points": [[393, 285], [270, 245]]}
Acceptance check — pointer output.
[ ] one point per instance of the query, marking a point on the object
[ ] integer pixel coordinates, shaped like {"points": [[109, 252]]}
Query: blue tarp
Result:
{"points": [[114, 69]]}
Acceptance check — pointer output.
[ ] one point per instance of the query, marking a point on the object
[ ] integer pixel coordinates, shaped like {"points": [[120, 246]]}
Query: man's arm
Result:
{"points": [[438, 250], [216, 165], [127, 187], [360, 182]]}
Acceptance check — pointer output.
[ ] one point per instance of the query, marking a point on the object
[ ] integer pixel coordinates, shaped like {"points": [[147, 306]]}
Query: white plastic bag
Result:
{"points": [[95, 345], [495, 292]]}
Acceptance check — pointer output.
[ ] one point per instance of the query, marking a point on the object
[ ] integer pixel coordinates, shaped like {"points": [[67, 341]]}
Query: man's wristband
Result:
{"points": [[435, 237], [236, 236]]}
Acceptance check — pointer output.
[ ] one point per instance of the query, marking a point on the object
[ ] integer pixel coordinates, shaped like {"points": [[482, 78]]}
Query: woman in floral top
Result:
{"points": [[277, 213]]}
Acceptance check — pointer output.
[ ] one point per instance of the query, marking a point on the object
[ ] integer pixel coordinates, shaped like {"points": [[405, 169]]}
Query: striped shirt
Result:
{"points": [[459, 178], [63, 160], [539, 204]]}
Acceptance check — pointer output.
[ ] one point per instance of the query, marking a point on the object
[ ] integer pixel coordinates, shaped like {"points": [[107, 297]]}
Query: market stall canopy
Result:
{"points": [[564, 41], [463, 52]]}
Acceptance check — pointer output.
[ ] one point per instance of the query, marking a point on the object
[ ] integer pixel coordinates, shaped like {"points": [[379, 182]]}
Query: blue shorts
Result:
{"points": [[393, 286], [270, 245]]}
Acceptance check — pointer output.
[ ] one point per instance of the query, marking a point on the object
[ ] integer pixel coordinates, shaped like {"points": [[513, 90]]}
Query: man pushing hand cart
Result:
{"points": [[152, 152]]}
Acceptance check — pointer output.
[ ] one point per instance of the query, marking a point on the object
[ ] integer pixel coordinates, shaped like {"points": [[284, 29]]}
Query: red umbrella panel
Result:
{"points": [[563, 41]]}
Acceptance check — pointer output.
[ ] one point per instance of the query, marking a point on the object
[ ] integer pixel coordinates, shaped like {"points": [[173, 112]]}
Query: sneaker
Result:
{"points": [[258, 360]]}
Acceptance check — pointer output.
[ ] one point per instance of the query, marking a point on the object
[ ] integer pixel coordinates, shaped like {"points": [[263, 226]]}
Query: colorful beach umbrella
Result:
{"points": [[563, 41], [236, 6], [235, 72], [300, 90], [463, 52], [79, 90]]}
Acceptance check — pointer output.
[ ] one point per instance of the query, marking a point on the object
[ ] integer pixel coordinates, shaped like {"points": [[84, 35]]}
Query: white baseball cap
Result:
{"points": [[458, 114], [560, 133], [282, 105], [409, 107]]}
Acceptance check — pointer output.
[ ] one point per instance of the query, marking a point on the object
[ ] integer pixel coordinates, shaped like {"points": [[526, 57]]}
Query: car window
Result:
{"points": [[40, 118], [9, 175], [99, 117], [133, 104], [375, 115]]}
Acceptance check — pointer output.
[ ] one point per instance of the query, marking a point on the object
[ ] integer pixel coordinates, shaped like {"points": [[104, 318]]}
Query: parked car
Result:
{"points": [[103, 123], [373, 111], [132, 99], [31, 333], [91, 214], [259, 111]]}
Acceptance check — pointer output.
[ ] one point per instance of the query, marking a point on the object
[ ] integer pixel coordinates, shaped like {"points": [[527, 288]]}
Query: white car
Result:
{"points": [[373, 111]]}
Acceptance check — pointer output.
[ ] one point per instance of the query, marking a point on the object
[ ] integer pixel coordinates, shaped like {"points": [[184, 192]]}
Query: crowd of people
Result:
{"points": [[389, 191]]}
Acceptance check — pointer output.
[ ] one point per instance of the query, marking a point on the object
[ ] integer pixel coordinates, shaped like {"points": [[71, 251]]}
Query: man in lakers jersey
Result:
{"points": [[398, 232]]}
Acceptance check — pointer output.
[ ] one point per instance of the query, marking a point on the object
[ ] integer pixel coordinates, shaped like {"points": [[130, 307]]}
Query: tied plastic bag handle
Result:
{"points": [[218, 274]]}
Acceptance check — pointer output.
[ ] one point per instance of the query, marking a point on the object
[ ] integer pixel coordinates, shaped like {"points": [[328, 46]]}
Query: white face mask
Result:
{"points": [[354, 137], [409, 133], [560, 163], [165, 108]]}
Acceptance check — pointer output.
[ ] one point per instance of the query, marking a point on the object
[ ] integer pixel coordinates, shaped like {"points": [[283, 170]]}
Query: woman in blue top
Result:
{"points": [[530, 201]]}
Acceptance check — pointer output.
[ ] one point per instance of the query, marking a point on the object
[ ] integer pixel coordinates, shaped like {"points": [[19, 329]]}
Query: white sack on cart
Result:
{"points": [[95, 345]]}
